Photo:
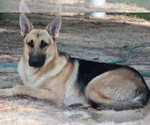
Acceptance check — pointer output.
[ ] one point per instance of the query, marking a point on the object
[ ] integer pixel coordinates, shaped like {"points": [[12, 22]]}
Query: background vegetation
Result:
{"points": [[140, 3]]}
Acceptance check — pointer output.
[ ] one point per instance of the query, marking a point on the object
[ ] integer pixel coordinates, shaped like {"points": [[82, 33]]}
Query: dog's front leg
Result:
{"points": [[43, 94]]}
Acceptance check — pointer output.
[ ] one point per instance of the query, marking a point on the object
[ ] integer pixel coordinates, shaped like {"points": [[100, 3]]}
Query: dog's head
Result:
{"points": [[39, 44]]}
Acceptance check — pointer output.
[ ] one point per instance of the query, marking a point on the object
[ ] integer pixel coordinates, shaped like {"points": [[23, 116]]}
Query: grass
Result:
{"points": [[145, 16], [140, 15], [1, 15]]}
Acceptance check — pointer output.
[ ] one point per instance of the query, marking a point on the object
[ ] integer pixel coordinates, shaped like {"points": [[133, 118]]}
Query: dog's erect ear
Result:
{"points": [[25, 25], [57, 8], [54, 27], [23, 8]]}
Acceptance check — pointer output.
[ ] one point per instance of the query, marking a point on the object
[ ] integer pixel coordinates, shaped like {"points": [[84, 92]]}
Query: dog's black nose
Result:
{"points": [[36, 61], [33, 61]]}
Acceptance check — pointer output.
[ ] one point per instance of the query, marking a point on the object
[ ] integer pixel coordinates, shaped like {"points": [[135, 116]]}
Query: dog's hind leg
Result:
{"points": [[120, 89]]}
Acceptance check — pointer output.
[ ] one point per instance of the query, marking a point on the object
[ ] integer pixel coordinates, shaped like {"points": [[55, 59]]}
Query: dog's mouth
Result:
{"points": [[36, 61]]}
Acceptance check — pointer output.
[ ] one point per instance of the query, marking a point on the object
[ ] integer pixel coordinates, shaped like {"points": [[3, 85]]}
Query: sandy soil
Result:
{"points": [[105, 39]]}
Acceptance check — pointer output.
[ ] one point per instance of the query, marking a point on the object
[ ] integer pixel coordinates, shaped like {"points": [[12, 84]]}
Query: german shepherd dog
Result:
{"points": [[51, 75]]}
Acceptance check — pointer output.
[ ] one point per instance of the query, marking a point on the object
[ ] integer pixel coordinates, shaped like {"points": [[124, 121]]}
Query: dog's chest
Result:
{"points": [[72, 92], [27, 74], [73, 96], [35, 78], [29, 79]]}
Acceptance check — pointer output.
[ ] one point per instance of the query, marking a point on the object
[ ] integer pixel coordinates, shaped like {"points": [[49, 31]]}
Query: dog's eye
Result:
{"points": [[31, 44], [43, 44]]}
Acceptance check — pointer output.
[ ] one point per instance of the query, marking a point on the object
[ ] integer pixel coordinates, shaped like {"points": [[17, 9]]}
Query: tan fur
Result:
{"points": [[47, 82], [119, 84], [51, 89], [55, 83]]}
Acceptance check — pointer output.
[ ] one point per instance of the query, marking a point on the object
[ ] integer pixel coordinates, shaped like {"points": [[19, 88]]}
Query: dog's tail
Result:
{"points": [[138, 102]]}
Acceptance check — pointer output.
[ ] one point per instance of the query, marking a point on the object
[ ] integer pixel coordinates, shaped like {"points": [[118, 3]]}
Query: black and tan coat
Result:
{"points": [[48, 74]]}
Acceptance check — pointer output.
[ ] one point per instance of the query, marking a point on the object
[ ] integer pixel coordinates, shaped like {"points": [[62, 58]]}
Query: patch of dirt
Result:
{"points": [[104, 39], [70, 6]]}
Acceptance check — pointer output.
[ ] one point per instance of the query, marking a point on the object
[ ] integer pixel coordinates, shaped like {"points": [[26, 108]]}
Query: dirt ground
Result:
{"points": [[104, 39], [71, 6]]}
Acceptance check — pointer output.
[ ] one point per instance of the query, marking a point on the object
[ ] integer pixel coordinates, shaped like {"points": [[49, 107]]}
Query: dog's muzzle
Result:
{"points": [[36, 61]]}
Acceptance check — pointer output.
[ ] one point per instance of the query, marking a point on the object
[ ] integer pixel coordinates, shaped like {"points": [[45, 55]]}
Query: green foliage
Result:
{"points": [[1, 15], [145, 16], [140, 15]]}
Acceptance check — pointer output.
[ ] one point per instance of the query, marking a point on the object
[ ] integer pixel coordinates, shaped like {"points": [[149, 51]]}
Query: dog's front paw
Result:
{"points": [[6, 92]]}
